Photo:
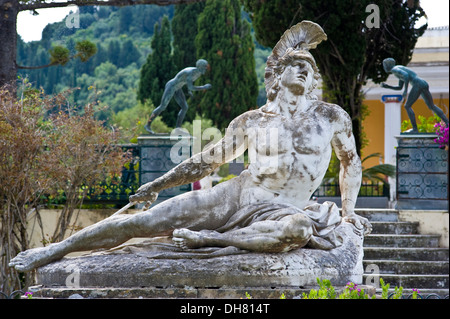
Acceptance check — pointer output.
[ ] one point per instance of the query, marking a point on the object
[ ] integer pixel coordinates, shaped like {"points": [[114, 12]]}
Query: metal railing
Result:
{"points": [[373, 189], [420, 296], [116, 190], [16, 294], [422, 173], [113, 190]]}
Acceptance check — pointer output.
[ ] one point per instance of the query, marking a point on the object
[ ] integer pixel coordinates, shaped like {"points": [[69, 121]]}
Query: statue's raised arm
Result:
{"points": [[200, 165]]}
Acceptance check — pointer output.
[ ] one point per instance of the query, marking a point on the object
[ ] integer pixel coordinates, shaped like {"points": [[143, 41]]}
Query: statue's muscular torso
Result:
{"points": [[289, 157]]}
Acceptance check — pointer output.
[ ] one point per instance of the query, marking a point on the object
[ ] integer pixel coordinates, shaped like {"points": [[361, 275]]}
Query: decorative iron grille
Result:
{"points": [[116, 190], [366, 190], [422, 173]]}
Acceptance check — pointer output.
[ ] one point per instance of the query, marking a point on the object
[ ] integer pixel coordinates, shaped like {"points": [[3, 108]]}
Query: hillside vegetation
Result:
{"points": [[123, 38]]}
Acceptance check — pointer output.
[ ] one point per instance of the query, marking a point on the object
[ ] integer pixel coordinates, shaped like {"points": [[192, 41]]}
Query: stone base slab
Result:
{"points": [[136, 267], [177, 293]]}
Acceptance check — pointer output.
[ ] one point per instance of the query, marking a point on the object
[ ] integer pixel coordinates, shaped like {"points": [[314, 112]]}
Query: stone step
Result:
{"points": [[413, 281], [393, 240], [403, 267], [396, 252], [398, 228], [378, 215], [391, 253]]}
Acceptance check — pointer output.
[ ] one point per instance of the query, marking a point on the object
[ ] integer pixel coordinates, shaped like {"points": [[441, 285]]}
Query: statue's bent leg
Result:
{"points": [[207, 209], [181, 100], [265, 236], [428, 98], [167, 96], [412, 97]]}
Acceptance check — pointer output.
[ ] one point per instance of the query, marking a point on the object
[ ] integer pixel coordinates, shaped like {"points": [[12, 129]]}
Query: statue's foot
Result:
{"points": [[412, 131], [185, 239], [33, 258], [148, 128], [179, 131]]}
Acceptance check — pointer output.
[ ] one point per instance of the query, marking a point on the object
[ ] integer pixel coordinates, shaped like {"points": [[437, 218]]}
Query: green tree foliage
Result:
{"points": [[59, 55], [158, 70], [114, 71], [114, 51], [114, 87], [131, 122], [85, 49], [126, 19], [261, 55], [224, 40], [184, 29], [128, 53], [124, 48], [353, 52]]}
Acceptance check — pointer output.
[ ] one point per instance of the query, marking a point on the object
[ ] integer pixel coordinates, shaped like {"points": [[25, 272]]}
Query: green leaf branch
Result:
{"points": [[60, 55]]}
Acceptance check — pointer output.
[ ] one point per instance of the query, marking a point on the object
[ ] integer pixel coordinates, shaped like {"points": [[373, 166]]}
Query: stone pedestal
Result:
{"points": [[162, 265], [422, 173], [159, 154], [181, 293]]}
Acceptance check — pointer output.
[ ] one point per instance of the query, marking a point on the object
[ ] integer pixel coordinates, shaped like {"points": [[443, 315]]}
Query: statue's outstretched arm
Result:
{"points": [[397, 88], [200, 165], [192, 87]]}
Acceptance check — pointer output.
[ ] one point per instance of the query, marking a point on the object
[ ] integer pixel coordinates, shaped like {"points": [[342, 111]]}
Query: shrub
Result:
{"points": [[351, 291], [46, 148]]}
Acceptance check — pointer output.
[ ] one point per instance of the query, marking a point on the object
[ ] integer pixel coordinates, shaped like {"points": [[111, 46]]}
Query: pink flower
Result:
{"points": [[442, 134]]}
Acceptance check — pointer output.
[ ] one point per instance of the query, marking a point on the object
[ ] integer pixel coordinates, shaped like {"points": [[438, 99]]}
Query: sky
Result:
{"points": [[30, 27]]}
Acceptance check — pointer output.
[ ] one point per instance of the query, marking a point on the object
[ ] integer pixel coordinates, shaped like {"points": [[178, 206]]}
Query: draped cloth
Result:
{"points": [[325, 219]]}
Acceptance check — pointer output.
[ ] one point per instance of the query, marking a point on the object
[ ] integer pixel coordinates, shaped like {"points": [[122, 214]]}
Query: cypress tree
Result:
{"points": [[158, 70], [125, 19], [224, 40], [128, 54], [114, 52], [184, 30]]}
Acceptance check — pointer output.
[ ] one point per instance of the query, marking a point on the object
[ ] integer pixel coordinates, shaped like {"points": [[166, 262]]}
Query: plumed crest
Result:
{"points": [[300, 38], [305, 35]]}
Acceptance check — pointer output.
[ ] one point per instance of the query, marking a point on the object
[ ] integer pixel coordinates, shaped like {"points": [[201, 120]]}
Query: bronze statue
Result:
{"points": [[174, 88], [419, 88]]}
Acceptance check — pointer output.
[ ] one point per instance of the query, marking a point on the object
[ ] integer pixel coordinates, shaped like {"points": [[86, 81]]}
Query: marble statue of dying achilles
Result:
{"points": [[266, 208]]}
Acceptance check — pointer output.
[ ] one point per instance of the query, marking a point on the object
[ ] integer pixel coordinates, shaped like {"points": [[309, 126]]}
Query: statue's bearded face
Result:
{"points": [[298, 76]]}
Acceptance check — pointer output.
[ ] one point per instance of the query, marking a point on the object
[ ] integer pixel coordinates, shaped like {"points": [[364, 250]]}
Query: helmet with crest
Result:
{"points": [[294, 44]]}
